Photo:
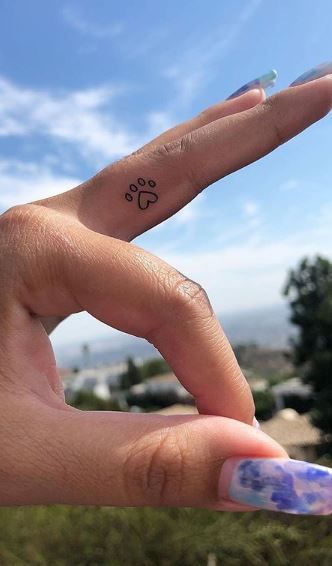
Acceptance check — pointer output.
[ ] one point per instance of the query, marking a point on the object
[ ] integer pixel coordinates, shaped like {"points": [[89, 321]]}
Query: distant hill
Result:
{"points": [[266, 327]]}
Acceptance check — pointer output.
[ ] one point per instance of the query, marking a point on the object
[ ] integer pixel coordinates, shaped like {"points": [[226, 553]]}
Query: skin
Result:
{"points": [[73, 252]]}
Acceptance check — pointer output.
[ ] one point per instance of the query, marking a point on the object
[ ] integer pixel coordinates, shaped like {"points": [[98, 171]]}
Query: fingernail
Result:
{"points": [[313, 74], [264, 81], [255, 423], [277, 484]]}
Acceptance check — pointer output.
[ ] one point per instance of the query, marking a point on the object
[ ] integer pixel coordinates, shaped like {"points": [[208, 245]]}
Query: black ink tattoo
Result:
{"points": [[145, 198]]}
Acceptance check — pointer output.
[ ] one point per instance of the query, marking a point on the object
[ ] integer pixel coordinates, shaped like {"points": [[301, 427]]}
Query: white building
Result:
{"points": [[100, 381]]}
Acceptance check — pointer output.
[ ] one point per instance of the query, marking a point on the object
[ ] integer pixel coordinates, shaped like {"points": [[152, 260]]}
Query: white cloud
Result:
{"points": [[290, 185], [80, 118], [24, 182], [253, 214], [251, 208], [191, 212], [186, 215], [250, 273], [194, 65], [74, 18], [187, 79], [159, 122], [324, 221]]}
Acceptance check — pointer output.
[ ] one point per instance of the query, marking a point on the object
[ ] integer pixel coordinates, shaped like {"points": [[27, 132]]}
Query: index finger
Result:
{"points": [[179, 170], [133, 291]]}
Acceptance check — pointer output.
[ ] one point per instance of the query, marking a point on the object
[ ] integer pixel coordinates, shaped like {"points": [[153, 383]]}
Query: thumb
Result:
{"points": [[123, 459]]}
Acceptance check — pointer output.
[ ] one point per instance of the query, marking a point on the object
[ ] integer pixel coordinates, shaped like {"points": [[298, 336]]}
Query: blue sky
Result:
{"points": [[83, 83]]}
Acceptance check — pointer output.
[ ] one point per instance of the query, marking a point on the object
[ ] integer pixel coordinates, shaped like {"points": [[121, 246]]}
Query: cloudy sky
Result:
{"points": [[83, 83]]}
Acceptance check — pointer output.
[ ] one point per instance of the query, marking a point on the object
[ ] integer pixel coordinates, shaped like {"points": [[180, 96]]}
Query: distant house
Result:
{"points": [[256, 383], [104, 382], [293, 393], [178, 409], [295, 433], [85, 380], [164, 388]]}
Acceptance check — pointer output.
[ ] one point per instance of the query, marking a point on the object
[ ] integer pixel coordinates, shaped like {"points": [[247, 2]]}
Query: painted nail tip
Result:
{"points": [[264, 81], [239, 92], [278, 484], [315, 73]]}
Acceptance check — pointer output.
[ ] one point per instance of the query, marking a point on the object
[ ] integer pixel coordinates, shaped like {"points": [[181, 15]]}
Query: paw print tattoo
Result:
{"points": [[145, 198]]}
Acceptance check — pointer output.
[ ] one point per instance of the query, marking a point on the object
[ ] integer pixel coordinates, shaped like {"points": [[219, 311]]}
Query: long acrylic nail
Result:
{"points": [[277, 484], [313, 74], [264, 81]]}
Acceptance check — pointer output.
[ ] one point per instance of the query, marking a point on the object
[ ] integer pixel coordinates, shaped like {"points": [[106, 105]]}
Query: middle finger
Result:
{"points": [[137, 193]]}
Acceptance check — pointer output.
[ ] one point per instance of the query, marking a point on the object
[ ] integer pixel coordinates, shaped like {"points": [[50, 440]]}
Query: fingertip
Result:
{"points": [[242, 102], [315, 90], [256, 95], [312, 100], [324, 84], [248, 99], [277, 484], [225, 478]]}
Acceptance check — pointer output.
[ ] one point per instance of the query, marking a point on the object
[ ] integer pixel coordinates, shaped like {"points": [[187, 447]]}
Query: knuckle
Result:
{"points": [[32, 245], [276, 120], [172, 150], [180, 152], [185, 144], [26, 224], [190, 298], [208, 114], [166, 150], [16, 225], [154, 469], [16, 219], [195, 181]]}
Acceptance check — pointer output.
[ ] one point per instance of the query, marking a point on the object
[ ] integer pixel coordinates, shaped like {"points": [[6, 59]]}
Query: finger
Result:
{"points": [[219, 110], [176, 172], [69, 201], [122, 285], [74, 457]]}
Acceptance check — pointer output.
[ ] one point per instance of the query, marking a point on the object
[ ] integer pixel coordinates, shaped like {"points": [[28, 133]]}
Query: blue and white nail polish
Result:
{"points": [[313, 74], [265, 81], [278, 484]]}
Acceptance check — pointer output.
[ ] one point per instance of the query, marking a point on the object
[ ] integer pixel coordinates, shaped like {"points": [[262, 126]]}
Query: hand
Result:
{"points": [[71, 253]]}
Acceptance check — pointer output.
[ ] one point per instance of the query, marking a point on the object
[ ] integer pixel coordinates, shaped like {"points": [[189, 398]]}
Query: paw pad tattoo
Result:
{"points": [[145, 198]]}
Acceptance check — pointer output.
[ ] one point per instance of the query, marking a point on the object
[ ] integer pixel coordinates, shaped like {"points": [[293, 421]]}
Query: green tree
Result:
{"points": [[88, 401], [265, 404], [132, 375], [155, 366], [106, 536], [309, 289]]}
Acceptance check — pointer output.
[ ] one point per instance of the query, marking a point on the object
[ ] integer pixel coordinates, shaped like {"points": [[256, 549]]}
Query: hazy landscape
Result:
{"points": [[267, 327]]}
